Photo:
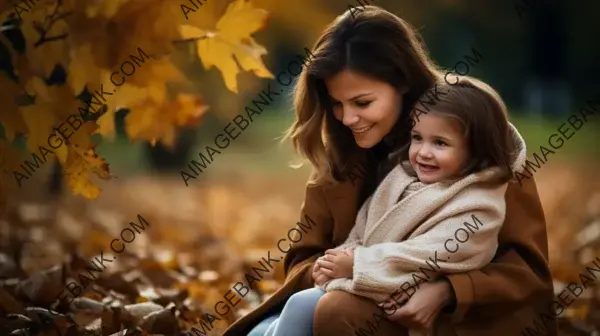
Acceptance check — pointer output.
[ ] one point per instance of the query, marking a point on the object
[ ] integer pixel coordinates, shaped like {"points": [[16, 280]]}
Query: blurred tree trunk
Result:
{"points": [[547, 89], [163, 159], [56, 180]]}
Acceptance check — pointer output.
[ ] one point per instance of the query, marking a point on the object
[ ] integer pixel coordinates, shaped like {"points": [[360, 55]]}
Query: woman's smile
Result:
{"points": [[361, 130], [367, 106]]}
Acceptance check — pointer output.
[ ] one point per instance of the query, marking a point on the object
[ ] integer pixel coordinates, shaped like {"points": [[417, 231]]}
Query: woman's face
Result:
{"points": [[369, 107]]}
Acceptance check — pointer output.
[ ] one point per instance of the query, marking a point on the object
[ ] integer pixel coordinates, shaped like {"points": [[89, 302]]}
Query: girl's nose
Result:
{"points": [[425, 152]]}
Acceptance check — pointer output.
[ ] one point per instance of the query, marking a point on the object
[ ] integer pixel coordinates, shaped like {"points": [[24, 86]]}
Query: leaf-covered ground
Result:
{"points": [[199, 241]]}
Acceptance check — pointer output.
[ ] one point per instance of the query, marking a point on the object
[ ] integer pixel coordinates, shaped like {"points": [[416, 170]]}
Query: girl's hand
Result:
{"points": [[423, 307], [337, 264], [318, 276]]}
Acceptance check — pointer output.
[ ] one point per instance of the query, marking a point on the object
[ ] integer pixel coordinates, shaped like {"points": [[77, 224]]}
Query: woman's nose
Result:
{"points": [[349, 117]]}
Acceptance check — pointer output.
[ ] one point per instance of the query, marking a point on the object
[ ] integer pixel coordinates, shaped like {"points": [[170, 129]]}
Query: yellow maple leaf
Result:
{"points": [[54, 107], [128, 96], [187, 109], [106, 124], [22, 69], [80, 140], [78, 168], [232, 41], [154, 122], [83, 70], [56, 99], [153, 70], [40, 123], [36, 86]]}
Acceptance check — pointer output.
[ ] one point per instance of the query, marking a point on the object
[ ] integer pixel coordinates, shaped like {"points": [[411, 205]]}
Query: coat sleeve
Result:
{"points": [[449, 246], [357, 232], [314, 215], [519, 273]]}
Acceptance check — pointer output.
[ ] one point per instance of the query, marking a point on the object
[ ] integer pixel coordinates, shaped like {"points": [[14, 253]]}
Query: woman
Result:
{"points": [[351, 104]]}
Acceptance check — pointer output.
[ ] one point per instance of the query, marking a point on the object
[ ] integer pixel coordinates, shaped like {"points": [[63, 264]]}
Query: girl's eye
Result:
{"points": [[363, 103], [416, 137], [439, 143]]}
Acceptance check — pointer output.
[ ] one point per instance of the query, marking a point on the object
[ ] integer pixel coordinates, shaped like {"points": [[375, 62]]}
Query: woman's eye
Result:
{"points": [[416, 137], [362, 103]]}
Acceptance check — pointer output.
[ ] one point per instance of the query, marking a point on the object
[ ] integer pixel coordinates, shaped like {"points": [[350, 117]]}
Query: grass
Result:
{"points": [[582, 145]]}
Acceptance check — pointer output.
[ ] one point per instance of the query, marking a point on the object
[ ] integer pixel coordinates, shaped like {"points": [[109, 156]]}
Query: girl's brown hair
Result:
{"points": [[374, 43], [483, 116]]}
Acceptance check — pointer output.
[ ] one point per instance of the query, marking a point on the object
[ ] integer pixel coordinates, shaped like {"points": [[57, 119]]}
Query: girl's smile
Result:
{"points": [[425, 168], [438, 149]]}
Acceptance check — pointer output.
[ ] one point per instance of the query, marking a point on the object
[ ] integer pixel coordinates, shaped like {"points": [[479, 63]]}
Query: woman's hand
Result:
{"points": [[422, 309], [337, 264]]}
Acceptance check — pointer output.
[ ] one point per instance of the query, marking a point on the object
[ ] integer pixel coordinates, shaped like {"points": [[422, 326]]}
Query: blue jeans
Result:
{"points": [[296, 318], [261, 328]]}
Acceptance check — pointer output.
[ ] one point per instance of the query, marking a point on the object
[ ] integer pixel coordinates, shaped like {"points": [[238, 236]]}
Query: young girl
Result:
{"points": [[438, 211]]}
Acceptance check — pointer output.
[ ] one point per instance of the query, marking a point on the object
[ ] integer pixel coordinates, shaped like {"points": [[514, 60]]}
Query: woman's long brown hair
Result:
{"points": [[374, 43]]}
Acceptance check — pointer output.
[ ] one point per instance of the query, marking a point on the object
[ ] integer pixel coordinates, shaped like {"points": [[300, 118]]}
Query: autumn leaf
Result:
{"points": [[106, 124], [78, 170], [123, 49], [127, 96], [232, 42], [54, 107], [40, 126], [83, 70], [158, 122], [188, 108], [80, 140]]}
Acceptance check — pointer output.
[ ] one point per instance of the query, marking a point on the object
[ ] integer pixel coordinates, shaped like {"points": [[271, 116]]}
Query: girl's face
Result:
{"points": [[438, 149], [369, 107]]}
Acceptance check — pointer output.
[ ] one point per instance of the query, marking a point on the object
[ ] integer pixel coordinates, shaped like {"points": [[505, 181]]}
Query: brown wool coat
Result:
{"points": [[500, 299]]}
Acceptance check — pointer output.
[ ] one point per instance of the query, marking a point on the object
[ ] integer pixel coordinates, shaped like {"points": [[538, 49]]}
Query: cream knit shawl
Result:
{"points": [[392, 240]]}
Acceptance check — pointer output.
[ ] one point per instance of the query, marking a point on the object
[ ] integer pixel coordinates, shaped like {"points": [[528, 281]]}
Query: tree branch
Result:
{"points": [[49, 22]]}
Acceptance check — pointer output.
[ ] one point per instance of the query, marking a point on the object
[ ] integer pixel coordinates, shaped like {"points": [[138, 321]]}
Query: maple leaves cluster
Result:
{"points": [[95, 44]]}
